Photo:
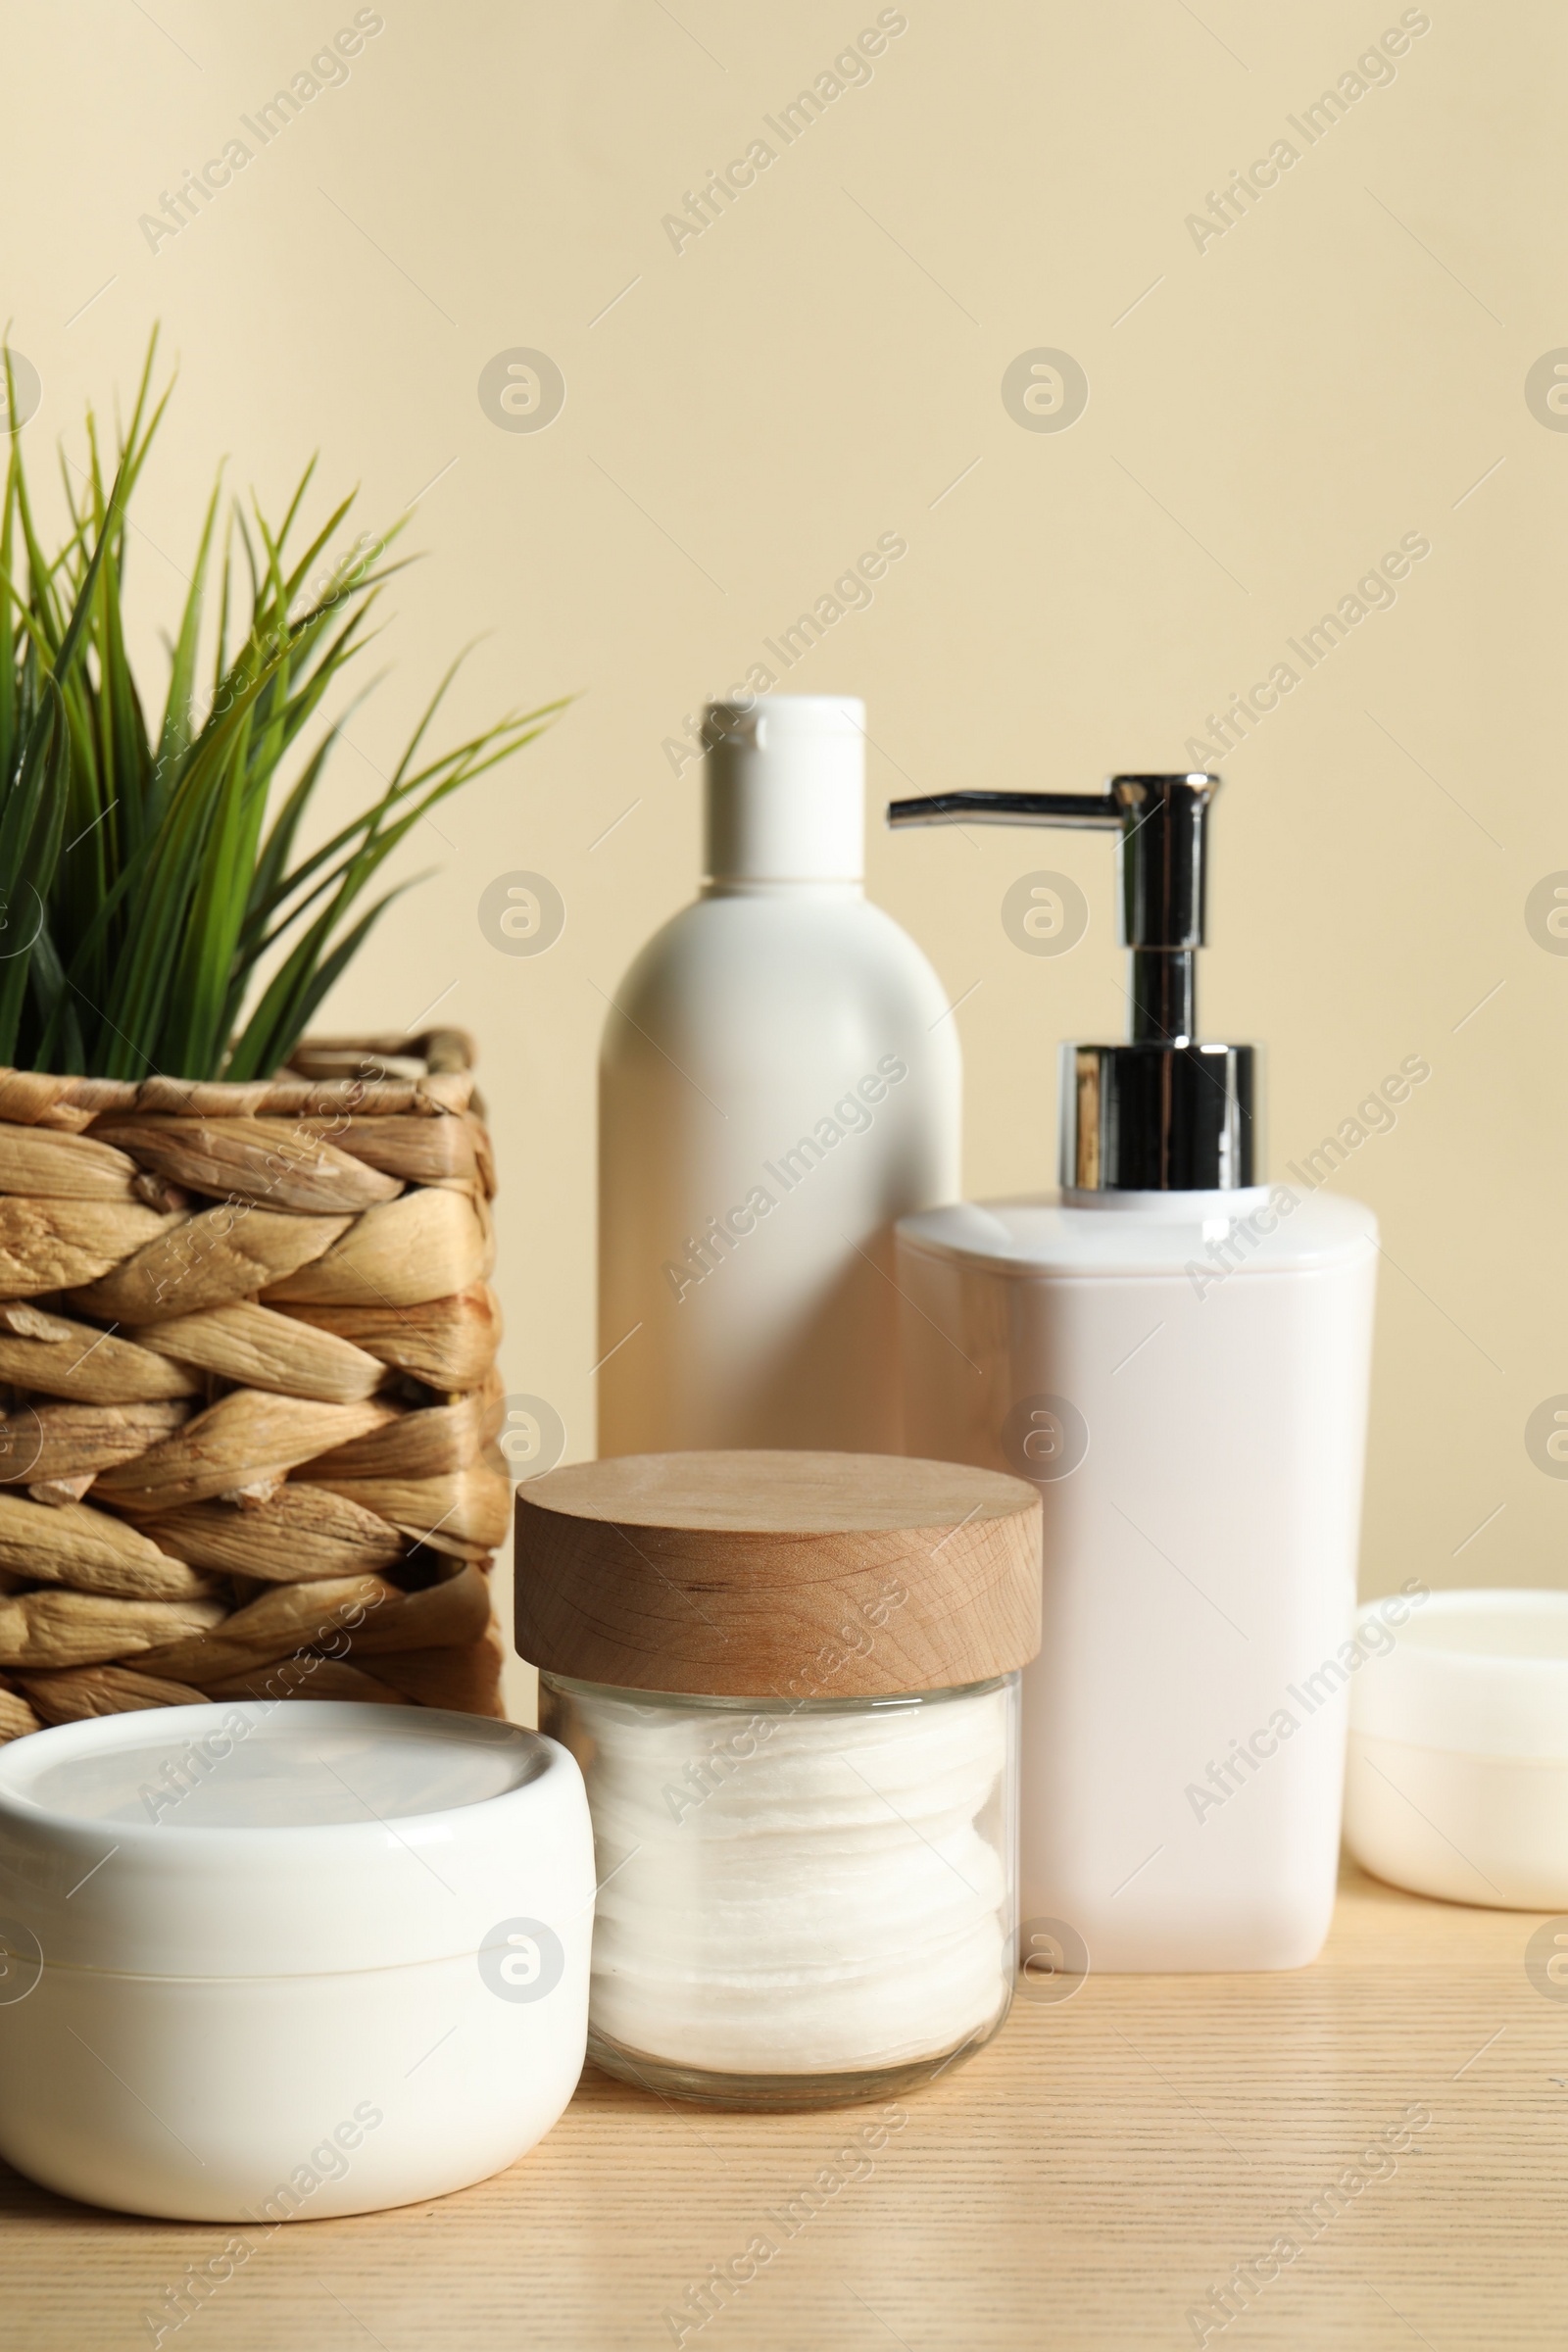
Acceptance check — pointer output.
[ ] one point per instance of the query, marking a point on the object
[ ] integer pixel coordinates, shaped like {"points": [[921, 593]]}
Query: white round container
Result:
{"points": [[1456, 1782], [276, 1962]]}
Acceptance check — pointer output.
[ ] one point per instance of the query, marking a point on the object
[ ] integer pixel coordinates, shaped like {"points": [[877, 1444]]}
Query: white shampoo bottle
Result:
{"points": [[1178, 1355], [779, 1082]]}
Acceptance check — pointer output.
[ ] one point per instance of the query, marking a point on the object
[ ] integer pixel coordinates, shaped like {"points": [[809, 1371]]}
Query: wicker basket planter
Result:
{"points": [[248, 1387]]}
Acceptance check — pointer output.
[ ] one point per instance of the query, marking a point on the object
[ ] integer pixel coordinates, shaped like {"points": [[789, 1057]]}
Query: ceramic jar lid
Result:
{"points": [[252, 1839], [777, 1575], [1477, 1673]]}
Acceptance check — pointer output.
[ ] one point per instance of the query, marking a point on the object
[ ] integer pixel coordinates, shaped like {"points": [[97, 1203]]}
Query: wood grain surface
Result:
{"points": [[791, 1576], [1082, 2184]]}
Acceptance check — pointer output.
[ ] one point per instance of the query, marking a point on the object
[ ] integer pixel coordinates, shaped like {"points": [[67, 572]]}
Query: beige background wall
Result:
{"points": [[1266, 418]]}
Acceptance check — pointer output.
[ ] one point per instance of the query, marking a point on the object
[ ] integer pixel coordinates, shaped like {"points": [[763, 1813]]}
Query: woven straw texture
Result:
{"points": [[249, 1388]]}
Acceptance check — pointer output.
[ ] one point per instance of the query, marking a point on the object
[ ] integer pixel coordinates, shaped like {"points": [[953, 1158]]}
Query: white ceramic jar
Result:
{"points": [[276, 1962], [1456, 1782]]}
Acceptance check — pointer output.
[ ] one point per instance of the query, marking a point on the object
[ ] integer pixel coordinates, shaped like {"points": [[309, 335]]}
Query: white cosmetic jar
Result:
{"points": [[276, 1961], [1456, 1778]]}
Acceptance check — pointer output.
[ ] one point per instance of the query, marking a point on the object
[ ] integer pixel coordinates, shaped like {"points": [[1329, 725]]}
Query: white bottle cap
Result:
{"points": [[786, 789]]}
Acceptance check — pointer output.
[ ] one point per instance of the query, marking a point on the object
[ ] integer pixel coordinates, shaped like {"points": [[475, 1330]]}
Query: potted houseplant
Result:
{"points": [[248, 1387]]}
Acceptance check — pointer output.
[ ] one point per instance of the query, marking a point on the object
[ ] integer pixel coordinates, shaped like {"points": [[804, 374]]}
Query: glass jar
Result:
{"points": [[802, 1902]]}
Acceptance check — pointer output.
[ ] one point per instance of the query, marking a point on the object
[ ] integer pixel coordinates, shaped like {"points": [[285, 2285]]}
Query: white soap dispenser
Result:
{"points": [[1178, 1354], [779, 1081]]}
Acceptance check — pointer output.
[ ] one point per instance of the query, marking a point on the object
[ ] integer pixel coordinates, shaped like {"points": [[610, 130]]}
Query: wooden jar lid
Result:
{"points": [[777, 1575]]}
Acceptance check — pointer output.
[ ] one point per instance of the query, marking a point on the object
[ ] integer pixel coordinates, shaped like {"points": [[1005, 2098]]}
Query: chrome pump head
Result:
{"points": [[1162, 1113]]}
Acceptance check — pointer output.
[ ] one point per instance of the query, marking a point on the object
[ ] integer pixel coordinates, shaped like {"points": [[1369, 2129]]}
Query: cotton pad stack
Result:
{"points": [[838, 1900]]}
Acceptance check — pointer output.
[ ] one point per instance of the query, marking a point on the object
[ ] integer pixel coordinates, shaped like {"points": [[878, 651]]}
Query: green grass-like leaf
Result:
{"points": [[147, 868]]}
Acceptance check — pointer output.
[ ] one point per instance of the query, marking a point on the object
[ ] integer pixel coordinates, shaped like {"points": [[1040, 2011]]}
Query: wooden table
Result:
{"points": [[1084, 2182]]}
